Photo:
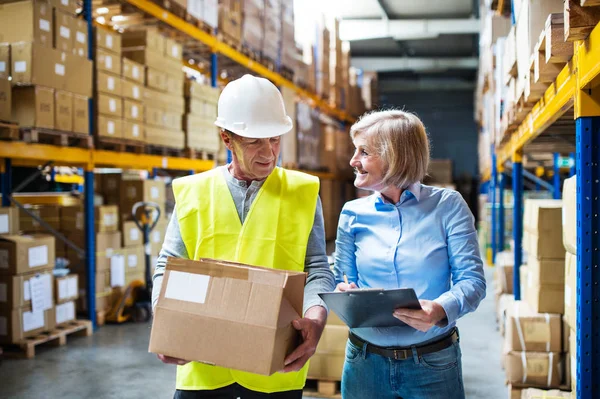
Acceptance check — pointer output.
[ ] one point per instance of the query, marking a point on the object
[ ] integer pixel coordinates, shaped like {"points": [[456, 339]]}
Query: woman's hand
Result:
{"points": [[430, 314], [341, 287]]}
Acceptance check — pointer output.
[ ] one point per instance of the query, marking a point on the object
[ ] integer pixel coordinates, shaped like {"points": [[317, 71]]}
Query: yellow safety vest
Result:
{"points": [[274, 234]]}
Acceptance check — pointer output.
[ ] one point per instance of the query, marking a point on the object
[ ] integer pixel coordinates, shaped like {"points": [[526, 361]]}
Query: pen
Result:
{"points": [[345, 278]]}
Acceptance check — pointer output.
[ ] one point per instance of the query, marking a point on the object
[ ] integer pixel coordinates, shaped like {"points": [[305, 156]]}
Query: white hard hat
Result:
{"points": [[253, 107]]}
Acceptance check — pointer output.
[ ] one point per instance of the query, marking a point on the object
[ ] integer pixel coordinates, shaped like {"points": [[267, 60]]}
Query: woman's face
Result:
{"points": [[368, 166]]}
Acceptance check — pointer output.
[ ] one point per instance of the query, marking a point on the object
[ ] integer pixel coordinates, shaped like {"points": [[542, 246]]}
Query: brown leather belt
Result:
{"points": [[402, 353]]}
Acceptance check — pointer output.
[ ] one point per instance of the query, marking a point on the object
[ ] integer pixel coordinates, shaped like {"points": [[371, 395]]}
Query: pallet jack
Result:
{"points": [[136, 301]]}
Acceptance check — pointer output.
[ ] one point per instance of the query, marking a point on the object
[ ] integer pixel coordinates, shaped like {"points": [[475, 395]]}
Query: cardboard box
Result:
{"points": [[132, 236], [571, 373], [108, 62], [63, 111], [175, 84], [26, 254], [5, 99], [504, 272], [156, 79], [81, 119], [212, 310], [26, 21], [133, 130], [539, 369], [133, 71], [545, 246], [110, 127], [544, 298], [102, 281], [328, 360], [133, 110], [149, 38], [106, 218], [534, 393], [15, 291], [547, 271], [107, 244], [108, 83], [166, 101], [530, 331], [4, 61], [173, 49], [69, 6], [110, 105], [542, 220], [135, 259], [48, 213], [571, 290], [569, 214], [110, 41], [66, 288], [163, 137], [80, 75], [9, 220], [201, 92], [132, 90], [133, 191], [157, 237], [20, 324], [80, 38], [63, 31], [34, 64], [514, 392], [64, 313], [33, 107], [109, 184], [154, 116]]}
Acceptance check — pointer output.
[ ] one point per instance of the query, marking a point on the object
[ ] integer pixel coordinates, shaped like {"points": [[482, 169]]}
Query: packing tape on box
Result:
{"points": [[522, 336], [549, 369], [550, 365]]}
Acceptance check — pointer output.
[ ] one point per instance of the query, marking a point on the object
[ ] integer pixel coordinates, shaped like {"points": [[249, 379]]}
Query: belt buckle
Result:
{"points": [[398, 352]]}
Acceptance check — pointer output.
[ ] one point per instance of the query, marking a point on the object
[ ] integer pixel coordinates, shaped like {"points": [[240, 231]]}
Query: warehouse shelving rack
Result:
{"points": [[575, 94], [14, 153]]}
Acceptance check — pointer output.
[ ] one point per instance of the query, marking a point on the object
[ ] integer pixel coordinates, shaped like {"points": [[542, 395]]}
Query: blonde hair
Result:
{"points": [[401, 141]]}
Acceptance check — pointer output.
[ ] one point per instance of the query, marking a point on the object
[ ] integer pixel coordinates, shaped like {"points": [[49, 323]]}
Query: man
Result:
{"points": [[251, 211]]}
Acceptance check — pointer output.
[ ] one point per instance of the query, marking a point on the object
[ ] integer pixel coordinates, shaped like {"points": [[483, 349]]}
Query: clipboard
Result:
{"points": [[371, 307]]}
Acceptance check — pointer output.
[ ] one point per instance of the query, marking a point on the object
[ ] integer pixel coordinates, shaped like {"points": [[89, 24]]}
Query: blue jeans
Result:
{"points": [[435, 375]]}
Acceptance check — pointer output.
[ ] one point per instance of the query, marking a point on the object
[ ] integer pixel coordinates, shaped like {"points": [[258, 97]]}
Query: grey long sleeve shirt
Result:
{"points": [[319, 276]]}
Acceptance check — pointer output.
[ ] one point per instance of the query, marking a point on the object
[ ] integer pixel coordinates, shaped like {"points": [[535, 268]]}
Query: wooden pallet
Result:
{"points": [[269, 63], [56, 337], [153, 149], [579, 21], [287, 73], [120, 145], [322, 388], [252, 54], [56, 137], [200, 154], [230, 41], [9, 131]]}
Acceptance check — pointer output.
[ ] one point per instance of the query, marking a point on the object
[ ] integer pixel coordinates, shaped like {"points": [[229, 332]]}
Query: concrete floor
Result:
{"points": [[115, 363]]}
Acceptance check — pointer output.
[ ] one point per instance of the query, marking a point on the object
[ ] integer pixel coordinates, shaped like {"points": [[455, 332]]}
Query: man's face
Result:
{"points": [[253, 159]]}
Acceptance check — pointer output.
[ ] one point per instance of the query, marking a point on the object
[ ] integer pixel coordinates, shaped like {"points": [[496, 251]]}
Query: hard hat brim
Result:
{"points": [[262, 132]]}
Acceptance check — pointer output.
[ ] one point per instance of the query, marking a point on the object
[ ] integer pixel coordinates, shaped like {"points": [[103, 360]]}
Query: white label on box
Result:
{"points": [[3, 224], [109, 252], [45, 25], [135, 130], [59, 69], [41, 292], [32, 320], [111, 83], [63, 289], [110, 126], [26, 291], [132, 260], [80, 37], [117, 271], [3, 326], [154, 192], [65, 32], [65, 2], [567, 295], [65, 312], [134, 234], [136, 92], [175, 51], [3, 297], [20, 66], [112, 105], [2, 66], [108, 41], [134, 111], [165, 162], [109, 220], [189, 287], [38, 256], [108, 62], [135, 71], [3, 258], [131, 192], [156, 237], [79, 221], [72, 287]]}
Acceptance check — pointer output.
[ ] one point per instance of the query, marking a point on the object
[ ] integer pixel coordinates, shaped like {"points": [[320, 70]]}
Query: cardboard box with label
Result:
{"points": [[26, 21], [542, 220], [48, 213], [534, 393], [133, 130], [102, 281], [175, 83], [201, 91], [81, 120], [156, 79], [65, 313], [173, 49], [66, 288], [15, 291], [9, 220], [4, 61], [80, 44], [33, 106], [110, 105], [68, 6], [34, 64], [132, 235], [17, 325], [149, 38], [530, 331], [5, 99], [21, 254], [133, 110], [328, 361], [110, 187], [133, 191], [157, 237], [108, 83], [108, 62], [569, 214], [166, 101], [132, 90], [133, 71], [80, 75], [538, 369], [135, 261], [110, 41], [63, 31], [231, 307], [63, 111], [110, 127], [547, 271]]}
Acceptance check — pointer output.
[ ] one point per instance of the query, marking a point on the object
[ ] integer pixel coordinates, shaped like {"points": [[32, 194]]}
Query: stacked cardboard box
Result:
{"points": [[308, 126], [542, 239], [49, 214], [253, 34], [206, 11], [230, 21], [336, 150], [199, 120], [45, 48], [322, 61], [289, 53], [109, 96], [533, 393], [289, 142], [328, 361], [370, 89], [163, 96], [9, 220], [569, 219], [66, 289], [272, 30], [332, 195], [5, 94], [26, 279], [336, 69], [356, 103]]}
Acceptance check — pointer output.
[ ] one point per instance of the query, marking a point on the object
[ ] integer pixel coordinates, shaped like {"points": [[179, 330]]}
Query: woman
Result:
{"points": [[406, 235]]}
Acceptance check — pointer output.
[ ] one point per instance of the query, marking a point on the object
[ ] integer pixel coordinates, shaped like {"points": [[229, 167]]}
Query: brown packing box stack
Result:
{"points": [[66, 288], [23, 323], [571, 290], [157, 237], [133, 71], [80, 38], [544, 298], [16, 291], [81, 114], [68, 6], [504, 272], [110, 127], [135, 261], [133, 191], [201, 107], [133, 96], [538, 369], [9, 220], [110, 41], [107, 245], [542, 223], [229, 338], [230, 20], [26, 254], [107, 83], [63, 111], [106, 218], [569, 215], [132, 236], [64, 313], [108, 62], [328, 361], [5, 99], [109, 185], [4, 60], [48, 213], [272, 25], [252, 24], [534, 393], [331, 197], [63, 31], [530, 331], [323, 79], [503, 303], [33, 107], [26, 21]]}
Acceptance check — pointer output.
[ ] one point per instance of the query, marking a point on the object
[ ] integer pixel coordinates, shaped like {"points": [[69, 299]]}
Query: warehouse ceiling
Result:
{"points": [[431, 41]]}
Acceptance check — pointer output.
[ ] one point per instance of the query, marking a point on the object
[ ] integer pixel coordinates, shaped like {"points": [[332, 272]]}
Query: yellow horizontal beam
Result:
{"points": [[219, 47], [45, 152], [69, 179], [127, 160], [587, 53]]}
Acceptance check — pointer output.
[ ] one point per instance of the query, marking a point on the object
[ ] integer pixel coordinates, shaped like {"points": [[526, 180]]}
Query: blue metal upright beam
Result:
{"points": [[517, 181], [493, 187], [214, 70], [501, 218], [90, 245], [573, 169], [588, 257], [6, 182], [556, 194]]}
